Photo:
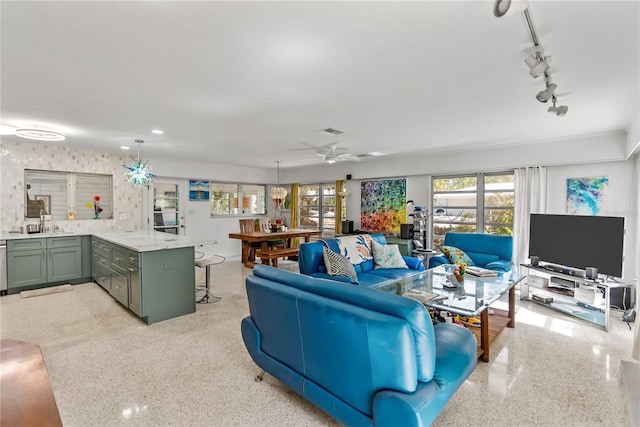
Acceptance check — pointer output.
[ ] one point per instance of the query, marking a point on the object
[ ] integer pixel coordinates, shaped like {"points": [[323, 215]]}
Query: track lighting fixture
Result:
{"points": [[504, 7], [536, 66], [537, 61], [547, 94], [559, 111]]}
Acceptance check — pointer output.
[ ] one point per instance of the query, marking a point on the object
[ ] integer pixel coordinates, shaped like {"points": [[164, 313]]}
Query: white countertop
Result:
{"points": [[143, 241], [139, 241]]}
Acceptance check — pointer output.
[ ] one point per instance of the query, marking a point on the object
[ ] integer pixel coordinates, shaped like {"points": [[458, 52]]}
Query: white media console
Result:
{"points": [[570, 293]]}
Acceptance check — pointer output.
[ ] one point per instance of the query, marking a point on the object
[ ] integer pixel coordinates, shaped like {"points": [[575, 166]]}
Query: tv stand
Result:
{"points": [[586, 299]]}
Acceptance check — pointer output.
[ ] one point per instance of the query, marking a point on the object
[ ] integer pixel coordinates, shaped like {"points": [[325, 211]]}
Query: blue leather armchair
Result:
{"points": [[311, 262], [363, 356], [485, 250]]}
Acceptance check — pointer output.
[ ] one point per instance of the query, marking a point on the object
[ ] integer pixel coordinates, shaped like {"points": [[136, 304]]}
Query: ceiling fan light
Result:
{"points": [[40, 134]]}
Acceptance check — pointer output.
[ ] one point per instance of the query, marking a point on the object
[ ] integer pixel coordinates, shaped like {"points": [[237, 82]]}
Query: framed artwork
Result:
{"points": [[47, 202], [198, 190], [383, 205], [586, 196]]}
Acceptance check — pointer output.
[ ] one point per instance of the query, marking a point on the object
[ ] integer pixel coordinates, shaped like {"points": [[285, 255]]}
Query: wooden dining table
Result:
{"points": [[263, 237]]}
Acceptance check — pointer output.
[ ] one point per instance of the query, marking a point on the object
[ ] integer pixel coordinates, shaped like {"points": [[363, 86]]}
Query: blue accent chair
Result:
{"points": [[311, 262], [363, 356], [485, 250]]}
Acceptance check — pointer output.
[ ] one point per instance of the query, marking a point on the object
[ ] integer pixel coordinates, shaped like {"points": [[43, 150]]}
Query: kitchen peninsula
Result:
{"points": [[150, 273]]}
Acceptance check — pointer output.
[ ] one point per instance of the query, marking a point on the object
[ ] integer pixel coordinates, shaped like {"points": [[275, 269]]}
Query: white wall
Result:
{"points": [[619, 200]]}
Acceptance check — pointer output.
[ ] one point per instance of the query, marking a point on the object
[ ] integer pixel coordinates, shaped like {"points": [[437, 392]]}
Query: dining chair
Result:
{"points": [[247, 226], [262, 224]]}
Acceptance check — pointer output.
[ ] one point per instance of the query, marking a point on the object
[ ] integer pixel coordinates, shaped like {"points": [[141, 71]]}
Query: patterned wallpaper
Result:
{"points": [[16, 156]]}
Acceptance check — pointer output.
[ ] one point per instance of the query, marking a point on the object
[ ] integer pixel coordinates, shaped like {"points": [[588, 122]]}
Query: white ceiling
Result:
{"points": [[249, 83]]}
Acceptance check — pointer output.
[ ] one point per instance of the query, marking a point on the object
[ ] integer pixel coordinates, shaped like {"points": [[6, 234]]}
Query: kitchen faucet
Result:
{"points": [[42, 221]]}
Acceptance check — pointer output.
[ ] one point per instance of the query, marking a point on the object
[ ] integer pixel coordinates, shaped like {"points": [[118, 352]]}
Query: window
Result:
{"points": [[481, 202], [65, 195], [237, 199], [318, 207]]}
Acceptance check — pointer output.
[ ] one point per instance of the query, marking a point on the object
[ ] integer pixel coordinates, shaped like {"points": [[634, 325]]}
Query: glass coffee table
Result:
{"points": [[471, 299]]}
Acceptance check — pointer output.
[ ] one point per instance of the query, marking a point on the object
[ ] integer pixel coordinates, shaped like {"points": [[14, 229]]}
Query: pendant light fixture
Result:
{"points": [[138, 173], [278, 193]]}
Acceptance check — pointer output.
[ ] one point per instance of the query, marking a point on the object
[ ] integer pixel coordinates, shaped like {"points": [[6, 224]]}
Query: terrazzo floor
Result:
{"points": [[108, 368]]}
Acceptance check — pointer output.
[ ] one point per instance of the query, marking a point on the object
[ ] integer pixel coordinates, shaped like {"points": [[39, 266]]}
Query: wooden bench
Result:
{"points": [[273, 255], [26, 397]]}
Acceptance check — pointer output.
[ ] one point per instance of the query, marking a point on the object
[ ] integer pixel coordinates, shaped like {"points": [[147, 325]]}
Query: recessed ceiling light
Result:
{"points": [[157, 131], [40, 134]]}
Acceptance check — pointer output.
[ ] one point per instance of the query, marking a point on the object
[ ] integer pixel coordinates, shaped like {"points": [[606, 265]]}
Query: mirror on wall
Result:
{"points": [[68, 195]]}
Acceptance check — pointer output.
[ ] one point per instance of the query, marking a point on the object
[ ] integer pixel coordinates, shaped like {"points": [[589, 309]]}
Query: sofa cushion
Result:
{"points": [[357, 249], [337, 264], [456, 255], [482, 259], [387, 256]]}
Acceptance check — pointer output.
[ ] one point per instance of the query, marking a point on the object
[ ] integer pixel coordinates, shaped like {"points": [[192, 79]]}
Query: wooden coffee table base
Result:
{"points": [[495, 322]]}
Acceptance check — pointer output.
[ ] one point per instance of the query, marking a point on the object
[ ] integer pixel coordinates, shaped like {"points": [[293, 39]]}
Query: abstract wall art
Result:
{"points": [[586, 196], [383, 205]]}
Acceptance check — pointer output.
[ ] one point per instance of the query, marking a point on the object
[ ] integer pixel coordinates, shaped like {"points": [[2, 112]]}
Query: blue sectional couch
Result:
{"points": [[485, 250], [363, 356], [311, 262]]}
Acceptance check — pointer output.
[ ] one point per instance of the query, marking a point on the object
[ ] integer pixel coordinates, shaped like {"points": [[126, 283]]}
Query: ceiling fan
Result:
{"points": [[332, 153], [337, 154]]}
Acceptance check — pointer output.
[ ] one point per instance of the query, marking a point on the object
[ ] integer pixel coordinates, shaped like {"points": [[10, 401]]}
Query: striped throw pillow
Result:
{"points": [[337, 264]]}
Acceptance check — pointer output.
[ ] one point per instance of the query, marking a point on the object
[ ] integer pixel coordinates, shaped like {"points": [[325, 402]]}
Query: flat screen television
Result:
{"points": [[578, 241]]}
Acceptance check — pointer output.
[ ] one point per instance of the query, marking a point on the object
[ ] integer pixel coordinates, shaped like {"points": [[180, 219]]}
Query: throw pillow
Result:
{"points": [[387, 256], [456, 255], [338, 265]]}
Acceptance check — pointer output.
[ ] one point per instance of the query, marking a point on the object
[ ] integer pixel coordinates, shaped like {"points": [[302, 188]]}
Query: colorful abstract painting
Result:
{"points": [[383, 205], [586, 196]]}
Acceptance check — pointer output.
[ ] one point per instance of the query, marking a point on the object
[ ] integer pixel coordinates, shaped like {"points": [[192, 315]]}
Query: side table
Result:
{"points": [[425, 255]]}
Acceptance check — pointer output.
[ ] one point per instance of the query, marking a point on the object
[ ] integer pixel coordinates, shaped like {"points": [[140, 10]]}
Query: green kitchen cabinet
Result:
{"points": [[26, 268], [155, 285], [40, 262]]}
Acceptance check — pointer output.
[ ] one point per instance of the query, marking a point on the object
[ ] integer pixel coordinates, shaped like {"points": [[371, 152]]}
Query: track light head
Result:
{"points": [[536, 66], [504, 7], [547, 94], [559, 111]]}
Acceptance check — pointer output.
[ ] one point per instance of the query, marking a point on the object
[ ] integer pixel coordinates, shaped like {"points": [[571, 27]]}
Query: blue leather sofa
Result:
{"points": [[311, 262], [485, 250], [363, 356]]}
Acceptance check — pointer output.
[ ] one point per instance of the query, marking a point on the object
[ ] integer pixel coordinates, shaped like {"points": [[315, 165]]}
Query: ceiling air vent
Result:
{"points": [[332, 131]]}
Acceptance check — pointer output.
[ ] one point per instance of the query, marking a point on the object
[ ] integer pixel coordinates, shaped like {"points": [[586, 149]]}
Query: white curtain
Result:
{"points": [[635, 192], [531, 197]]}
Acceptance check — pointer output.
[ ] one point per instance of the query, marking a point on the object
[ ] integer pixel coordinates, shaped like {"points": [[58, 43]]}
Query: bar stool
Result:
{"points": [[207, 263]]}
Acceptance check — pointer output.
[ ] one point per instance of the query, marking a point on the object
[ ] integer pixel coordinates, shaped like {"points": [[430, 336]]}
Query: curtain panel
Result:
{"points": [[531, 197]]}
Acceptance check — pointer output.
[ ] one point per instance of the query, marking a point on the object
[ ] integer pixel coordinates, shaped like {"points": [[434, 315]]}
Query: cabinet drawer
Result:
{"points": [[120, 288], [101, 245], [64, 242], [102, 276], [26, 244], [133, 259], [537, 281], [119, 259]]}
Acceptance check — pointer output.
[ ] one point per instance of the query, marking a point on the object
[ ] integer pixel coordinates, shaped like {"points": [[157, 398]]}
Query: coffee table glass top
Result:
{"points": [[468, 298]]}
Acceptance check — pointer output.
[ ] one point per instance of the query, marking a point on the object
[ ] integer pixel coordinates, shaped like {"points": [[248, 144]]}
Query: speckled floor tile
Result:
{"points": [[109, 368]]}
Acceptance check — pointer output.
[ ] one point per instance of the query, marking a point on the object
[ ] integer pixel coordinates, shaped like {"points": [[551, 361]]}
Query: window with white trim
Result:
{"points": [[476, 203]]}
